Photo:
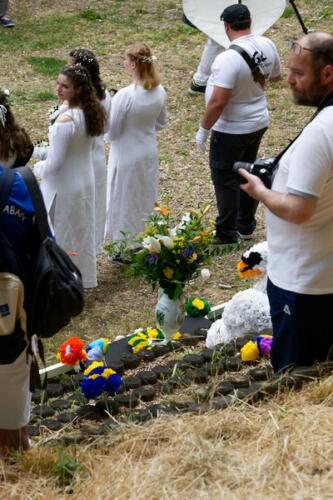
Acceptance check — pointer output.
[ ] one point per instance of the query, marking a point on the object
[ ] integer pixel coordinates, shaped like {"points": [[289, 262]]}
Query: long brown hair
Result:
{"points": [[88, 59], [141, 54], [14, 140], [86, 98]]}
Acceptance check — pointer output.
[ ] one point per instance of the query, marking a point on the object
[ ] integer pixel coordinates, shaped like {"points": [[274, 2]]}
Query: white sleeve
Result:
{"points": [[161, 120], [60, 136], [121, 103], [225, 69], [40, 152], [107, 104]]}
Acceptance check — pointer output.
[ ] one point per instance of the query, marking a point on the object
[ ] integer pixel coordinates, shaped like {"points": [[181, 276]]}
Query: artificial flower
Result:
{"points": [[197, 307], [192, 258], [163, 210], [71, 351], [250, 351], [151, 244], [177, 336], [168, 272], [167, 241], [146, 339], [97, 349], [99, 378], [198, 303]]}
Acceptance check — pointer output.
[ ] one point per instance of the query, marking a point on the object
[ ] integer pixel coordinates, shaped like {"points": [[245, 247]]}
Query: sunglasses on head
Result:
{"points": [[297, 47]]}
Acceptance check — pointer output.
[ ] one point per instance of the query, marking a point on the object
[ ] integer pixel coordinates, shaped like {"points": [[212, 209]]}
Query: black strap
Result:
{"points": [[37, 198], [257, 74], [328, 101], [6, 182]]}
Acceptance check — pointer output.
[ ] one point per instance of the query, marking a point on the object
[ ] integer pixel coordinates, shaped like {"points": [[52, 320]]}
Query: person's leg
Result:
{"points": [[246, 222], [13, 440], [211, 50], [3, 7], [302, 331], [225, 150]]}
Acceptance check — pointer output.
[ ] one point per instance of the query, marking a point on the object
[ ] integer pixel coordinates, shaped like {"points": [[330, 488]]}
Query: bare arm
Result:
{"points": [[292, 208], [218, 101]]}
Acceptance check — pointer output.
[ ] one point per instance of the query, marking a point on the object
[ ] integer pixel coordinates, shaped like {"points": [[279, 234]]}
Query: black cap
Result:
{"points": [[235, 13]]}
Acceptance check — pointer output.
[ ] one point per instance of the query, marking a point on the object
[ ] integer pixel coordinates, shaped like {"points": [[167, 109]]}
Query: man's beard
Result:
{"points": [[313, 96]]}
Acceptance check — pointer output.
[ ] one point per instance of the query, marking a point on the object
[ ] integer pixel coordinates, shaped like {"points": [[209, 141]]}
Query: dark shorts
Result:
{"points": [[302, 327]]}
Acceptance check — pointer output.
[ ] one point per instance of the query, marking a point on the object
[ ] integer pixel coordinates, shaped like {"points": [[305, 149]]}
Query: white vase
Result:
{"points": [[169, 313]]}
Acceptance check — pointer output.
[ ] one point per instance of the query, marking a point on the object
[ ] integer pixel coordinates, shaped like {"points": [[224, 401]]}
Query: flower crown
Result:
{"points": [[146, 59]]}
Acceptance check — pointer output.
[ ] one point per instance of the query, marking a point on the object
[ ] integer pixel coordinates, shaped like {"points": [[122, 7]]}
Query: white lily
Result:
{"points": [[151, 244], [167, 242]]}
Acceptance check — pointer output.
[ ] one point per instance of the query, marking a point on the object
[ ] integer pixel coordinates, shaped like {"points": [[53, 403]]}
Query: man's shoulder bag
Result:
{"points": [[257, 73]]}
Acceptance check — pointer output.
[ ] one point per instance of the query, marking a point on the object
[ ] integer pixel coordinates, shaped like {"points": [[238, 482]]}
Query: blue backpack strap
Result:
{"points": [[6, 181]]}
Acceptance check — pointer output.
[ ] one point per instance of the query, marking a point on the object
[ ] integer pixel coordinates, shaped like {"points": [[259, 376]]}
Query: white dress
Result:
{"points": [[133, 162], [68, 189], [100, 171]]}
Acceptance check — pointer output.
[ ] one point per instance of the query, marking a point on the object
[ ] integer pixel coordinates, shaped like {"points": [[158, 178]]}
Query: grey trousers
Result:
{"points": [[3, 7]]}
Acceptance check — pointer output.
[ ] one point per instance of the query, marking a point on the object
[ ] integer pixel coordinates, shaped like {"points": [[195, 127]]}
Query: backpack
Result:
{"points": [[13, 323], [57, 289]]}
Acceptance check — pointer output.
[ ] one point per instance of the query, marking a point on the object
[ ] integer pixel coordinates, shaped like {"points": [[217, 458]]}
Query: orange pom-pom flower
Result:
{"points": [[71, 351]]}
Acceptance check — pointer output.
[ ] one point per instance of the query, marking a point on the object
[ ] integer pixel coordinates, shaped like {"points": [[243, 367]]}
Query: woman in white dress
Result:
{"points": [[68, 184], [138, 111], [88, 59]]}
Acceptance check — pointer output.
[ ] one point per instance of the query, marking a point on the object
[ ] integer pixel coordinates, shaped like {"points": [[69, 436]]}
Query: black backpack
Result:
{"points": [[56, 283]]}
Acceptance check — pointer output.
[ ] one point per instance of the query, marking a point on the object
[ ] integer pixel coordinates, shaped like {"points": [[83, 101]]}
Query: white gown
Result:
{"points": [[68, 189], [100, 171], [133, 162]]}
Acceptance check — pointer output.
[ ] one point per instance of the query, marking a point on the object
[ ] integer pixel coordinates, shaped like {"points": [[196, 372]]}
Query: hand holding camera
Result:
{"points": [[264, 169]]}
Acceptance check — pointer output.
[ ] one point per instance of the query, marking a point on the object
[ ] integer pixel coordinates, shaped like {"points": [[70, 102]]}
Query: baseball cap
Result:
{"points": [[235, 13]]}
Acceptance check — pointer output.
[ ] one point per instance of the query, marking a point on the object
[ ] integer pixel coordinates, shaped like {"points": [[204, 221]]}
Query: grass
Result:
{"points": [[281, 448]]}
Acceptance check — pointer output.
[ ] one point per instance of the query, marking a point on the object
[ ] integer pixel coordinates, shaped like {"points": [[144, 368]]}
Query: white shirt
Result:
{"points": [[246, 110], [300, 256]]}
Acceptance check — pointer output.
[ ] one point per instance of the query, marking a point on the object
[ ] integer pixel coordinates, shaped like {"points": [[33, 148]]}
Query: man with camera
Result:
{"points": [[300, 216], [236, 110]]}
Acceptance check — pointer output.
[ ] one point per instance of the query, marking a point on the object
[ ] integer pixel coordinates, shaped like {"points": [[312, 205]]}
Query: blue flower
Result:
{"points": [[187, 252], [151, 259]]}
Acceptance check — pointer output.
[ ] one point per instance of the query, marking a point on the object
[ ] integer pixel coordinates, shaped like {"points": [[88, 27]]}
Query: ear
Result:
{"points": [[326, 75]]}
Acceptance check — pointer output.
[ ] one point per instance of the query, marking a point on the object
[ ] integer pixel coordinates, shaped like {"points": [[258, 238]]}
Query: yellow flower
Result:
{"points": [[140, 346], [152, 333], [168, 272], [107, 372], [250, 351], [198, 304], [196, 239], [177, 336], [163, 210], [192, 258], [206, 209], [179, 241]]}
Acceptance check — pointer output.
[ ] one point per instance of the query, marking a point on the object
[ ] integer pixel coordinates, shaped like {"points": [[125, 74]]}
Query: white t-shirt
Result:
{"points": [[300, 256], [246, 110]]}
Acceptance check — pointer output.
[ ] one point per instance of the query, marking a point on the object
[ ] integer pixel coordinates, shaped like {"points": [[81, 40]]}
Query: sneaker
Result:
{"points": [[245, 237], [196, 88], [225, 241], [7, 22]]}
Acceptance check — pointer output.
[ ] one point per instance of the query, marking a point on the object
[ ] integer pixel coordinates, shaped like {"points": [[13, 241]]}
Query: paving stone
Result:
{"points": [[74, 438], [147, 377], [190, 340], [200, 376], [87, 430], [89, 412], [52, 425], [207, 354], [162, 371], [130, 361], [43, 411], [260, 373], [223, 388], [161, 350], [195, 360], [145, 393], [245, 393], [117, 366], [131, 383], [33, 430], [66, 417], [175, 345], [77, 398], [39, 396], [233, 364], [129, 400], [166, 388], [68, 384], [158, 410], [54, 390], [216, 368], [109, 405], [220, 403], [240, 383], [141, 415], [147, 355], [60, 404]]}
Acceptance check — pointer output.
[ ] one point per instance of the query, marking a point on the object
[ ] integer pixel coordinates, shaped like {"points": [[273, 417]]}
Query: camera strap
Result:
{"points": [[257, 74], [328, 101]]}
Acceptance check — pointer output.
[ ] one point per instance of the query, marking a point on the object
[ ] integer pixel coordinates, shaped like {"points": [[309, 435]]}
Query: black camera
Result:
{"points": [[264, 168]]}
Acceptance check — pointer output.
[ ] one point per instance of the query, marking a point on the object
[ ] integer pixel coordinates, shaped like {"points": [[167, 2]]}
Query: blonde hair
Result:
{"points": [[141, 54]]}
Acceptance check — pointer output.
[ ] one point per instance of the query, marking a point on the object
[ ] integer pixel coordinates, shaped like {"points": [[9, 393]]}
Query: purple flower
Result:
{"points": [[265, 345], [187, 252], [151, 259]]}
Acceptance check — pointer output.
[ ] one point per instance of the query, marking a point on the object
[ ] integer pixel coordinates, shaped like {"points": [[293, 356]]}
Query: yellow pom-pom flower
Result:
{"points": [[199, 304], [250, 351]]}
